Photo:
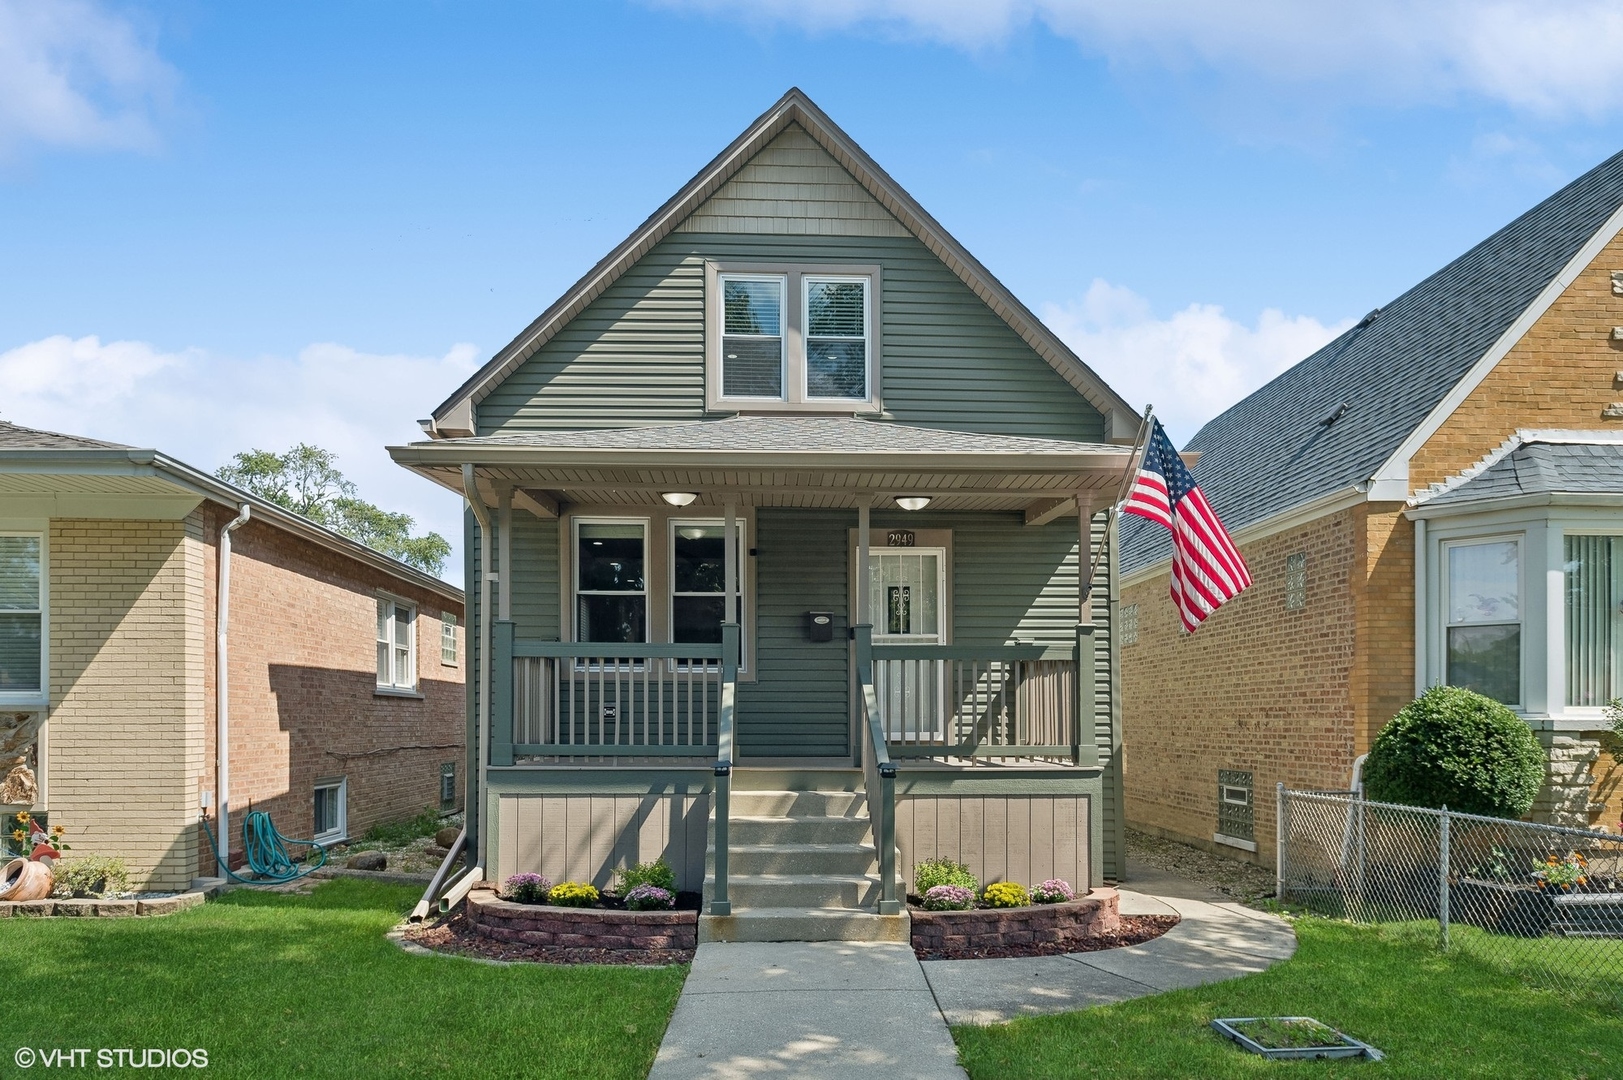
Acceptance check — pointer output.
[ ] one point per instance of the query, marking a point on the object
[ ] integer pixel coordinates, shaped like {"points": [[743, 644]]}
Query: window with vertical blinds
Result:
{"points": [[1593, 618], [22, 614]]}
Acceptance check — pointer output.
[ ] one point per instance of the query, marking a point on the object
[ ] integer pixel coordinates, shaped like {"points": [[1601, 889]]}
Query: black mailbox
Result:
{"points": [[819, 626]]}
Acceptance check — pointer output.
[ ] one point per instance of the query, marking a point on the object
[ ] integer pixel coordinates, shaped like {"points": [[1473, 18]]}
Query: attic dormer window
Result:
{"points": [[792, 338]]}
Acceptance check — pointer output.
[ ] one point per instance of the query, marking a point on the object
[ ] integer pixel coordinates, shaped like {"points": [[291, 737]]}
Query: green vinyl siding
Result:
{"points": [[635, 355], [799, 705], [535, 577]]}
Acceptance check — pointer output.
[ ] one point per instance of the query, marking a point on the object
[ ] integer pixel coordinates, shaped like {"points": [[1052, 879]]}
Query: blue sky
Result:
{"points": [[229, 225]]}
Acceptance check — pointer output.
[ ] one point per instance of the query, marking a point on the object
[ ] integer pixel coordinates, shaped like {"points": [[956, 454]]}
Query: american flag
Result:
{"points": [[1206, 566]]}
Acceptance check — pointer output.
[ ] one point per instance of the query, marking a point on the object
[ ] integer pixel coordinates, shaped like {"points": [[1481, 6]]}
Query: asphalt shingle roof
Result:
{"points": [[15, 437], [778, 434], [1537, 468], [1271, 452]]}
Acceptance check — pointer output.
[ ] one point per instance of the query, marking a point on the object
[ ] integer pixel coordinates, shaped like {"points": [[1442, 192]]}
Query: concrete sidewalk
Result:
{"points": [[829, 1009]]}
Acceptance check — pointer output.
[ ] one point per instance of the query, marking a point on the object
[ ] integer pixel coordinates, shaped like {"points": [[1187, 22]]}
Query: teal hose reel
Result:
{"points": [[266, 849]]}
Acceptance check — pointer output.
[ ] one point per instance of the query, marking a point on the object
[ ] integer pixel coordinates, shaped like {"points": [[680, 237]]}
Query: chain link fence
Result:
{"points": [[1541, 901]]}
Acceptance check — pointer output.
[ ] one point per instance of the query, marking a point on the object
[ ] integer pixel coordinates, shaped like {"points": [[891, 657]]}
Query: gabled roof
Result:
{"points": [[1393, 372], [16, 437], [454, 414], [1533, 463]]}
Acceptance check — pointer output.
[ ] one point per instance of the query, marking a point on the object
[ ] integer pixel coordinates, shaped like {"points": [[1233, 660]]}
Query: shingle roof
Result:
{"points": [[1536, 468], [15, 437], [788, 434], [1271, 452]]}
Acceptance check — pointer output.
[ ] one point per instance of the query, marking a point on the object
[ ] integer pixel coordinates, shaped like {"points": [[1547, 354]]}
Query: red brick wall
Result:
{"points": [[303, 676]]}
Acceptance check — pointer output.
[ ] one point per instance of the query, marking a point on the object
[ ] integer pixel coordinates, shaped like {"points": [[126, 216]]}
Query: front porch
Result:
{"points": [[755, 664]]}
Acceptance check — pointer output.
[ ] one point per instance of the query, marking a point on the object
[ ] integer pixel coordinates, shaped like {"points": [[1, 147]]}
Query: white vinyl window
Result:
{"points": [[330, 811], [611, 581], [752, 336], [22, 617], [1593, 567], [397, 645], [1483, 633], [448, 651], [836, 338], [698, 579]]}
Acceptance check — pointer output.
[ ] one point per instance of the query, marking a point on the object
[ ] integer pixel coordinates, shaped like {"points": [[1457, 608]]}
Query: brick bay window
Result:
{"points": [[397, 646], [788, 338], [1482, 606], [22, 619]]}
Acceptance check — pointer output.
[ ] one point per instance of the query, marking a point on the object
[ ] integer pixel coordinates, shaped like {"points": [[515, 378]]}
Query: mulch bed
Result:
{"points": [[455, 937], [1134, 930]]}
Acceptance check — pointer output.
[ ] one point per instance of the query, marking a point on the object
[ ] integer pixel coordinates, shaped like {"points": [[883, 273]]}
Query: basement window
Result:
{"points": [[1236, 824], [448, 786], [331, 811]]}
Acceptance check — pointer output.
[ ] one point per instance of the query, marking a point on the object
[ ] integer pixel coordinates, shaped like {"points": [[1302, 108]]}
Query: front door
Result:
{"points": [[905, 593]]}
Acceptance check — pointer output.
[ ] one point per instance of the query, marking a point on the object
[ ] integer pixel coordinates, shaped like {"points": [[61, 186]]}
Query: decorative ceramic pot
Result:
{"points": [[25, 879]]}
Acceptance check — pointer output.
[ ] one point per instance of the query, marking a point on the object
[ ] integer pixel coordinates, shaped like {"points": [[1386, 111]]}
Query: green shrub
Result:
{"points": [[1453, 747], [404, 831], [657, 873], [92, 876], [932, 872], [573, 894], [1005, 894]]}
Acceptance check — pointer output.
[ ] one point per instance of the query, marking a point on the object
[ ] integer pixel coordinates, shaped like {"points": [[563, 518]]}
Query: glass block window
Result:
{"points": [[1484, 629], [1129, 624], [448, 786], [1234, 810], [1295, 582]]}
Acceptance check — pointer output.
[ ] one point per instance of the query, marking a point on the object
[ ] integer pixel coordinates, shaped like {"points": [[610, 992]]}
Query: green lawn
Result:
{"points": [[275, 985], [1434, 1015]]}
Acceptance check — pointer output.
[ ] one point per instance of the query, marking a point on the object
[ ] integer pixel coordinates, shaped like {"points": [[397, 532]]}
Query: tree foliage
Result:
{"points": [[307, 481], [1453, 747]]}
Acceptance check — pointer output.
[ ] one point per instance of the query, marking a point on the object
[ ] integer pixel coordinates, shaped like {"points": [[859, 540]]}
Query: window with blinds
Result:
{"points": [[1484, 630], [1594, 621], [22, 615]]}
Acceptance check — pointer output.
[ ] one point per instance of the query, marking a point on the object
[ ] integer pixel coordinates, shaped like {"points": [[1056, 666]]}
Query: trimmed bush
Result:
{"points": [[932, 872], [526, 889], [657, 873], [949, 898], [92, 876], [1052, 891], [573, 894], [1453, 747], [1004, 894]]}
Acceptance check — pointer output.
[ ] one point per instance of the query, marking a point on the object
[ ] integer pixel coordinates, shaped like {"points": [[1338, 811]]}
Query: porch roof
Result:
{"points": [[773, 460]]}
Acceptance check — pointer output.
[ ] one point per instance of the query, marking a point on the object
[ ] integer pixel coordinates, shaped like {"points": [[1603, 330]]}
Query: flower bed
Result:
{"points": [[581, 927], [1090, 916]]}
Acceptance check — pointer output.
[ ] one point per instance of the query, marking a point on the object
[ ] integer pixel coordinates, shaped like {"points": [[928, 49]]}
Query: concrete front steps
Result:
{"points": [[802, 862]]}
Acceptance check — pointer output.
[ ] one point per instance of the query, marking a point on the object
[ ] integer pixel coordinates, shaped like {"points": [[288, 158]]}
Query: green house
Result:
{"points": [[774, 550]]}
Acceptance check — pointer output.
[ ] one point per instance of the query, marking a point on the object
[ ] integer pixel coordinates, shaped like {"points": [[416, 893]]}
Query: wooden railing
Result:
{"points": [[1013, 701], [569, 699]]}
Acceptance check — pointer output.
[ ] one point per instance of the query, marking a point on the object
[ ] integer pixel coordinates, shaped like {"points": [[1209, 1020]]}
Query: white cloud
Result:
{"points": [[74, 74], [1193, 365], [203, 408], [1550, 57]]}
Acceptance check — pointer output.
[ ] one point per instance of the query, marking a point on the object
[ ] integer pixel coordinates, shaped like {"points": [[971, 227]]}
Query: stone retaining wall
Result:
{"points": [[105, 909], [1088, 916], [581, 928]]}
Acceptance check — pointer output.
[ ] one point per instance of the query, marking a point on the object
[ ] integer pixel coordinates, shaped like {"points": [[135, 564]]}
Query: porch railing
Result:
{"points": [[879, 774], [1012, 701]]}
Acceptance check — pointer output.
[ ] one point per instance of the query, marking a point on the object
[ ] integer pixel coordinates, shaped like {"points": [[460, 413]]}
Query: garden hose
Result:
{"points": [[266, 849]]}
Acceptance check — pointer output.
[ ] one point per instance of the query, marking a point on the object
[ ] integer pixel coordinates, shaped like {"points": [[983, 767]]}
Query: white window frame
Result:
{"points": [[574, 576], [31, 700], [866, 281], [794, 275], [669, 584], [450, 652], [341, 829], [1444, 623], [393, 685], [785, 302]]}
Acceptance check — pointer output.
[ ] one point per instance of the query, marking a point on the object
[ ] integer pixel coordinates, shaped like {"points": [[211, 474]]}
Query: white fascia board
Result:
{"points": [[1289, 518], [1395, 470], [1598, 499]]}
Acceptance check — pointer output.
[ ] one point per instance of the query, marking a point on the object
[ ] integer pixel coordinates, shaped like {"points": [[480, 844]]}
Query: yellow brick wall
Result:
{"points": [[125, 739], [1561, 374]]}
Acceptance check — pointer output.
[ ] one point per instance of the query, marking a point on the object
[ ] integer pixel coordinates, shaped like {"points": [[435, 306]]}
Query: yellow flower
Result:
{"points": [[22, 816], [57, 830], [18, 835]]}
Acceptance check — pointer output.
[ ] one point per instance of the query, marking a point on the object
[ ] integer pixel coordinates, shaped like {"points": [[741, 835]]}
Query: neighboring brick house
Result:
{"points": [[110, 560], [1464, 443]]}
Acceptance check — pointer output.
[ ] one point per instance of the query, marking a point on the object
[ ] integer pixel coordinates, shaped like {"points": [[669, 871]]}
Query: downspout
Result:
{"points": [[481, 514], [222, 687]]}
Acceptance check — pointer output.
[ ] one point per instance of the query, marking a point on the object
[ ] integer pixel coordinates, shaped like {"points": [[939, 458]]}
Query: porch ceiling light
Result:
{"points": [[912, 502], [678, 498]]}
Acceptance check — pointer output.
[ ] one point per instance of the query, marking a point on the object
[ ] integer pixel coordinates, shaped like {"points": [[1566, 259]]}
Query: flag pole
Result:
{"points": [[1139, 442]]}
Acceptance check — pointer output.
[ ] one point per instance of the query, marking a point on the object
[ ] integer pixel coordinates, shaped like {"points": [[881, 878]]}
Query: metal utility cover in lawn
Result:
{"points": [[1345, 1047]]}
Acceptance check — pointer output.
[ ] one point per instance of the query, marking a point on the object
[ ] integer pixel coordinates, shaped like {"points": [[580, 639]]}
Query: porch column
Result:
{"points": [[504, 549], [860, 616], [730, 560], [1084, 749]]}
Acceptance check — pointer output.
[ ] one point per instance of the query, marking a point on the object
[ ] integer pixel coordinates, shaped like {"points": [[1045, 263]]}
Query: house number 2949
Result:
{"points": [[899, 538]]}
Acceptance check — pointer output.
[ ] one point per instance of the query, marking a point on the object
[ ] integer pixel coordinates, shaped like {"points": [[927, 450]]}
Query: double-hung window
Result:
{"points": [[611, 587], [1483, 637], [699, 580], [22, 617], [397, 645], [792, 338], [1594, 618], [448, 650]]}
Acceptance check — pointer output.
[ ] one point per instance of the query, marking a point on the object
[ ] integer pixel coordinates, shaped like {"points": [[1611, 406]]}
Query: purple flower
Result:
{"points": [[1052, 891], [526, 889], [650, 898], [949, 898]]}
